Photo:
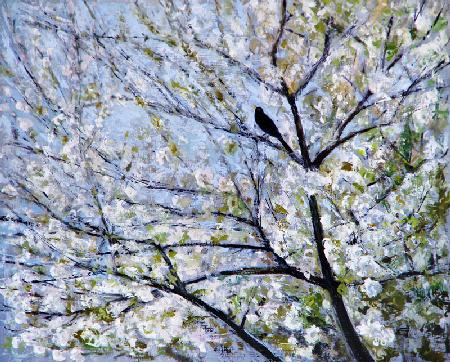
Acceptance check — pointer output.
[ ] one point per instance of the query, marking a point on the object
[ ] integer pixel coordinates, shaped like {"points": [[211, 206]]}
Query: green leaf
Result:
{"points": [[234, 128], [391, 50], [103, 314], [361, 152], [148, 52], [216, 239], [161, 237], [7, 343], [139, 101], [321, 27], [5, 71], [172, 42], [231, 148], [342, 289], [442, 113], [151, 54], [398, 179], [168, 314], [280, 209], [358, 187], [368, 175], [376, 43], [347, 166], [428, 353], [173, 149], [184, 238], [441, 24], [219, 95], [406, 143], [176, 85], [200, 292], [172, 278]]}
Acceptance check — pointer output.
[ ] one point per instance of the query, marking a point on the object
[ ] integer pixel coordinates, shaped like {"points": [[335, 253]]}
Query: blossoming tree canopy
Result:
{"points": [[144, 212]]}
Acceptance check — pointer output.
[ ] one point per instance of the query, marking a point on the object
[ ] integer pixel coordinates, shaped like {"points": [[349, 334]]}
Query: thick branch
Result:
{"points": [[277, 270], [210, 245], [298, 128], [326, 152], [414, 273], [406, 275], [360, 107]]}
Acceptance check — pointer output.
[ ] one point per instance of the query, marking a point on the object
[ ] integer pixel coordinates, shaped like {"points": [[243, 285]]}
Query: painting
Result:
{"points": [[224, 180]]}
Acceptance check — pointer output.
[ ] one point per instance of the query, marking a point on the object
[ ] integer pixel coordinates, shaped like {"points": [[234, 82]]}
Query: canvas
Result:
{"points": [[224, 180]]}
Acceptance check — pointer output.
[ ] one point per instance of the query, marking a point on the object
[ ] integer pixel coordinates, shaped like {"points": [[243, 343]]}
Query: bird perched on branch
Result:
{"points": [[268, 126]]}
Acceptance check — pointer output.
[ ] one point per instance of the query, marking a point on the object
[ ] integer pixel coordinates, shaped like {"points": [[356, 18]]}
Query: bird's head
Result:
{"points": [[258, 110]]}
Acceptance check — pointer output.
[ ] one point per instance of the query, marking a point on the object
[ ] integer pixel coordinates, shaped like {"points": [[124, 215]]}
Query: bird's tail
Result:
{"points": [[289, 150], [285, 145]]}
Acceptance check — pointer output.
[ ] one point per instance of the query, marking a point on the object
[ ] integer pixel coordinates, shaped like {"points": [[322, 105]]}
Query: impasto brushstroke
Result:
{"points": [[224, 180]]}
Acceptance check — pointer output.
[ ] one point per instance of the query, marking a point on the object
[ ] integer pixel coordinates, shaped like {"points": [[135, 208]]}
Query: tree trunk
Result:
{"points": [[352, 339]]}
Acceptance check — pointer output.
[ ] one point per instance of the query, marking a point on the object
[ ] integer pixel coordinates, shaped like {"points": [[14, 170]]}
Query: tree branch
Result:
{"points": [[360, 107], [239, 330], [405, 275], [277, 270], [400, 55], [298, 127], [315, 67], [413, 273], [210, 245], [329, 149], [388, 34], [273, 53]]}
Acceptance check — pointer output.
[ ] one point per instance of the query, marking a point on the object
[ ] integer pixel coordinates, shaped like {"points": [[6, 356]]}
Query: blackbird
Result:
{"points": [[268, 126]]}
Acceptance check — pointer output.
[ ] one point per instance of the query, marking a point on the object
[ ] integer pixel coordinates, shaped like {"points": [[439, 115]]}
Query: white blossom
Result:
{"points": [[371, 287]]}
